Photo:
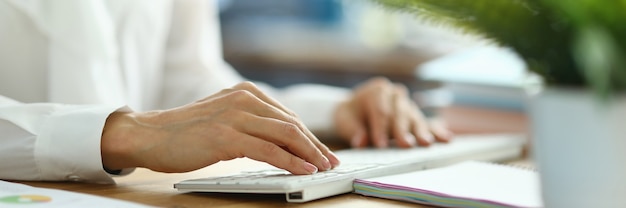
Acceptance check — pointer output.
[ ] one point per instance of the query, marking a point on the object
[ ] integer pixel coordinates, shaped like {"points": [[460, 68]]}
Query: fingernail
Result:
{"points": [[410, 139], [383, 142], [326, 164], [334, 160], [448, 136], [356, 140], [310, 168], [428, 137]]}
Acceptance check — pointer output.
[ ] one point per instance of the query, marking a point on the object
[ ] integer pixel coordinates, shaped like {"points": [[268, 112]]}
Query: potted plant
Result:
{"points": [[579, 117]]}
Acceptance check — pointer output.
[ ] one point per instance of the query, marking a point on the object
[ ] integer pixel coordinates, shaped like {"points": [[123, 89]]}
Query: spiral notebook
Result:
{"points": [[466, 184]]}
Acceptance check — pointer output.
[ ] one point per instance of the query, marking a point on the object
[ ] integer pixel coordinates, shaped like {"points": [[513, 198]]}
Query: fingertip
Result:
{"points": [[409, 139], [334, 160], [326, 164], [440, 131], [422, 143], [425, 139], [382, 142], [430, 138], [358, 140], [310, 168], [444, 136], [355, 141]]}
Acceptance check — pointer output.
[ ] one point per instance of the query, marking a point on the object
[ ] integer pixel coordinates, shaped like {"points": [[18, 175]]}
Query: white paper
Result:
{"points": [[20, 195], [477, 180]]}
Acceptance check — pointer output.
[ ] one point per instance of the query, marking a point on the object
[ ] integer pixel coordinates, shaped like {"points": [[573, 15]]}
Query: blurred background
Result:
{"points": [[337, 42], [345, 42]]}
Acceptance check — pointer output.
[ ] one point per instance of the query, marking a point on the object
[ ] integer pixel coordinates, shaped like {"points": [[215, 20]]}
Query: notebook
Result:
{"points": [[360, 164], [466, 184]]}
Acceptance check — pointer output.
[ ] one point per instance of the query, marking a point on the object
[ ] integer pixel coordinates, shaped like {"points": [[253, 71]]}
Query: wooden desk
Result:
{"points": [[148, 187]]}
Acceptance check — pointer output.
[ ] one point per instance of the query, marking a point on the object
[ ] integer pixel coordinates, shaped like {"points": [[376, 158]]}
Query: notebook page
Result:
{"points": [[473, 180]]}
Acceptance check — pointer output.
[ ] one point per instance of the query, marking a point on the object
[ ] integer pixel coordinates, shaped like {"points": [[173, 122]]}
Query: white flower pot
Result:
{"points": [[579, 145]]}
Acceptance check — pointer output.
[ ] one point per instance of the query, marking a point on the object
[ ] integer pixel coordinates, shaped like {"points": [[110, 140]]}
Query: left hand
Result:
{"points": [[379, 111]]}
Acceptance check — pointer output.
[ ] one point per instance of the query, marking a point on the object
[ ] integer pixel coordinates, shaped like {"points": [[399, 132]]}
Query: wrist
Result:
{"points": [[116, 146]]}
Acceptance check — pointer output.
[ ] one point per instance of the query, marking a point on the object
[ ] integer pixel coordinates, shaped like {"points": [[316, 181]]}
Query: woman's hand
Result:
{"points": [[379, 111], [236, 122]]}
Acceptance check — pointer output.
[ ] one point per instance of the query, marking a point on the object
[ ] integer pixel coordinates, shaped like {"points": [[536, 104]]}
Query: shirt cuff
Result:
{"points": [[69, 145]]}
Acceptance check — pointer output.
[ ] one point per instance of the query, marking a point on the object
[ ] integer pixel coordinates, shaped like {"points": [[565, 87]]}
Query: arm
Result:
{"points": [[58, 142]]}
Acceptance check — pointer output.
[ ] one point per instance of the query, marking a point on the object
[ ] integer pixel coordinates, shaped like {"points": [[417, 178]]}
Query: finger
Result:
{"points": [[247, 101], [239, 100], [422, 135], [400, 120], [353, 125], [330, 156], [288, 136], [440, 131], [359, 140], [252, 88], [271, 153], [378, 111], [330, 159], [420, 128], [249, 98]]}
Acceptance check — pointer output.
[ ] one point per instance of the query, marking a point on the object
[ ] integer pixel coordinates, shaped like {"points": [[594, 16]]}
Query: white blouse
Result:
{"points": [[66, 65]]}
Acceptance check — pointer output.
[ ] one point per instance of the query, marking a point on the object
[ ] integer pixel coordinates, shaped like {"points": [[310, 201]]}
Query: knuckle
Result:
{"points": [[292, 120], [291, 129], [247, 85], [381, 81], [400, 88], [380, 111], [241, 95]]}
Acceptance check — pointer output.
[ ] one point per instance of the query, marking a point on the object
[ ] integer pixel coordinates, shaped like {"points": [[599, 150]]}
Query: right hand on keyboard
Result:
{"points": [[379, 111], [237, 122]]}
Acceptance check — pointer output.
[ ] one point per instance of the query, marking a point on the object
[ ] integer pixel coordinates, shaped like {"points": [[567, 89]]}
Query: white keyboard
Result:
{"points": [[361, 163]]}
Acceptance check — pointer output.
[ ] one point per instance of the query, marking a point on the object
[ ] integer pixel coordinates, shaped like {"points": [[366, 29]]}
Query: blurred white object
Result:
{"points": [[482, 76], [479, 65], [579, 146]]}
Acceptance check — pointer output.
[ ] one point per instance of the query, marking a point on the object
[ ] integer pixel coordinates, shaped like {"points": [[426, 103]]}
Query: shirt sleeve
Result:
{"points": [[195, 68], [52, 142], [315, 105]]}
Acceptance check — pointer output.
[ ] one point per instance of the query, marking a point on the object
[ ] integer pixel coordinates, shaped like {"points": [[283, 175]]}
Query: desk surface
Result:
{"points": [[152, 188]]}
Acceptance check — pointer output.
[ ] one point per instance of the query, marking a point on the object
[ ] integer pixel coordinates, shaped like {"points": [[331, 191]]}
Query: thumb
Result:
{"points": [[359, 139], [351, 128]]}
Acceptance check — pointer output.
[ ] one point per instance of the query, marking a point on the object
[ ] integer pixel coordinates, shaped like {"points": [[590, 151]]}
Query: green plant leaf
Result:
{"points": [[568, 42], [532, 29], [599, 59]]}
